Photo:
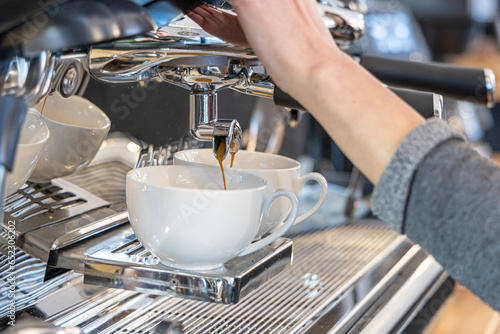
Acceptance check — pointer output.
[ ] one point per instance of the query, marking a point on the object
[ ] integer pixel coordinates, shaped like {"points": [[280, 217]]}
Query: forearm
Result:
{"points": [[444, 196], [365, 119]]}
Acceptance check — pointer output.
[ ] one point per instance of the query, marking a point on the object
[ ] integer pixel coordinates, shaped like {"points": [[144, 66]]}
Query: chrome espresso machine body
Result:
{"points": [[77, 266]]}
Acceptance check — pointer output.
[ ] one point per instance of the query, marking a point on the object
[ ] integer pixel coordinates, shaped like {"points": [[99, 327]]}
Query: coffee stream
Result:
{"points": [[232, 159], [43, 106], [220, 143], [232, 154]]}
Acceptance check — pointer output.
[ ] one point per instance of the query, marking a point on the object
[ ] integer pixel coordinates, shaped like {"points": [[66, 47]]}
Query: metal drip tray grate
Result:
{"points": [[28, 277], [105, 180], [325, 265], [332, 270], [126, 264], [39, 205]]}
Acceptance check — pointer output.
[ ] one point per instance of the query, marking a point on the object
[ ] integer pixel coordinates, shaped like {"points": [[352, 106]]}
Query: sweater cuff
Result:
{"points": [[390, 196]]}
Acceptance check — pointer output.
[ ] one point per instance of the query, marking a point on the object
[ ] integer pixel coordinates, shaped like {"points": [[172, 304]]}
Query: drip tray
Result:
{"points": [[126, 264]]}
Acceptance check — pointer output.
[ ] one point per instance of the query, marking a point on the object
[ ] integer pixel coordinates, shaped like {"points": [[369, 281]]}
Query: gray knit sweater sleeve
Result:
{"points": [[445, 197]]}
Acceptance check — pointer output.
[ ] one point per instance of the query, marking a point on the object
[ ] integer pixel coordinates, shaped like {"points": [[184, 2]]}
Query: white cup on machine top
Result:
{"points": [[183, 215], [280, 173], [77, 130]]}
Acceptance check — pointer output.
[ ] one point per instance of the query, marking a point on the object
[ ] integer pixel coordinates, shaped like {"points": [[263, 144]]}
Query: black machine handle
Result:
{"points": [[12, 114], [428, 105], [463, 83]]}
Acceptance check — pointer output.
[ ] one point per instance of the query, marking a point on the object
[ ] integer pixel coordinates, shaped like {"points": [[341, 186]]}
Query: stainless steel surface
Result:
{"points": [[38, 78], [205, 124], [439, 110], [346, 23], [151, 156], [187, 44], [36, 206], [337, 274], [37, 326], [346, 26], [354, 192], [267, 128], [166, 327], [90, 230], [125, 264], [415, 262], [105, 181], [5, 67], [177, 59], [70, 74], [30, 79], [203, 113], [28, 276], [444, 281], [3, 180], [416, 285], [491, 84]]}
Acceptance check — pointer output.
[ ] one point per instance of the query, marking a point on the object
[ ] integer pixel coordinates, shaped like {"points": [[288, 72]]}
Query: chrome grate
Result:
{"points": [[39, 205], [27, 278], [326, 263], [157, 156], [105, 180], [34, 199]]}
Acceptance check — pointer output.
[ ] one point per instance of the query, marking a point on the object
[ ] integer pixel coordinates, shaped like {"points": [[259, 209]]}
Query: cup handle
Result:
{"points": [[280, 231], [324, 191]]}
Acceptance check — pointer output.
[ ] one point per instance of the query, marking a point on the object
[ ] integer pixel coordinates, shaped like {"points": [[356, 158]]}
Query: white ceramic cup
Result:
{"points": [[280, 173], [183, 215], [77, 130], [34, 135]]}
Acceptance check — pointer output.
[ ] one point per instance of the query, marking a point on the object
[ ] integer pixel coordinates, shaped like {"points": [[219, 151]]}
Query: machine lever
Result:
{"points": [[426, 104], [463, 83]]}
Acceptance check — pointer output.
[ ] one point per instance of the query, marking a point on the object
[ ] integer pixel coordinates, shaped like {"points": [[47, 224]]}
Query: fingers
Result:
{"points": [[211, 17], [197, 18], [219, 23]]}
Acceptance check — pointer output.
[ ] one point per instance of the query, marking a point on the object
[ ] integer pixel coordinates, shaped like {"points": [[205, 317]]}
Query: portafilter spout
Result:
{"points": [[205, 124]]}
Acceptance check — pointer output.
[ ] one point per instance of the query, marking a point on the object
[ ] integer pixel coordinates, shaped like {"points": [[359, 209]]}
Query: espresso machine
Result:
{"points": [[78, 266]]}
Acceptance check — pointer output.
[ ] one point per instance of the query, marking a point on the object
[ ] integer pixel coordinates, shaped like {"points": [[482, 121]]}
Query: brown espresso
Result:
{"points": [[232, 159], [43, 106], [220, 143], [231, 146]]}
